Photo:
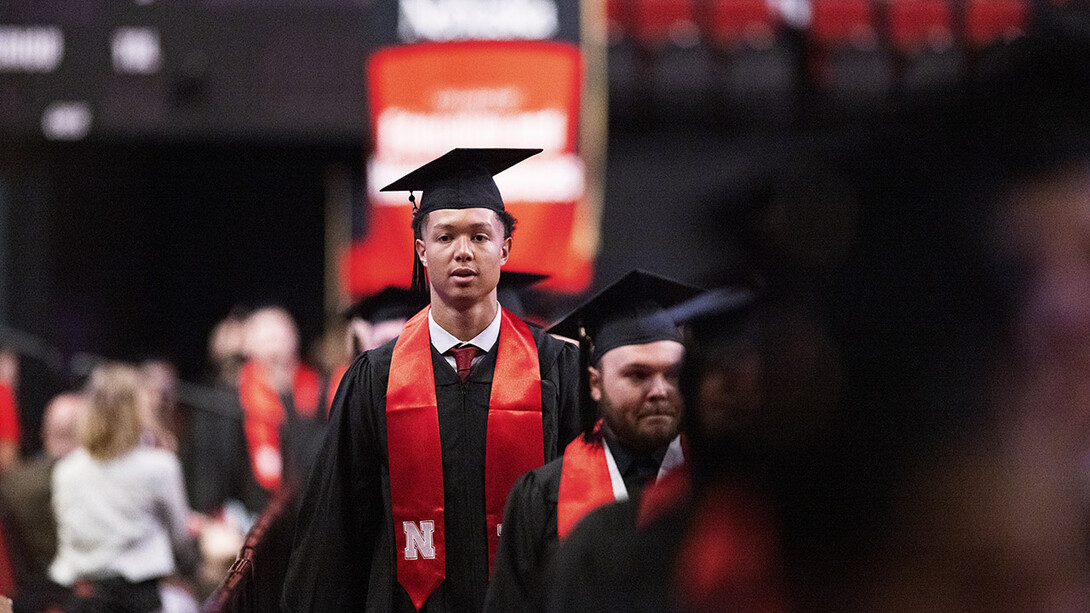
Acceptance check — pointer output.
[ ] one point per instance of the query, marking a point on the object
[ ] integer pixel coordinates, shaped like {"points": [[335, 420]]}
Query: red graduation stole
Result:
{"points": [[729, 558], [584, 482], [9, 414], [514, 444], [263, 413]]}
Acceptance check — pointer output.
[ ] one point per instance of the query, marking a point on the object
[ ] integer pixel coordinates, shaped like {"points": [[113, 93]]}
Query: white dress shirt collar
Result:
{"points": [[443, 340]]}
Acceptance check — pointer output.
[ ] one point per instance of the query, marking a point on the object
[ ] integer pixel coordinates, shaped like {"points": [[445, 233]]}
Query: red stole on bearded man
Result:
{"points": [[585, 482], [589, 478], [263, 412], [514, 444]]}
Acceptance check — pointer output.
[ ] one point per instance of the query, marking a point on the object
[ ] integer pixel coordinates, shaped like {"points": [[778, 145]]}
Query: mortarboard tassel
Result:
{"points": [[588, 409], [419, 282]]}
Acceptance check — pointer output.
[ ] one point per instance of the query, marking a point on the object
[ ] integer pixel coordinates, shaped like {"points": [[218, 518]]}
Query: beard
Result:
{"points": [[651, 426]]}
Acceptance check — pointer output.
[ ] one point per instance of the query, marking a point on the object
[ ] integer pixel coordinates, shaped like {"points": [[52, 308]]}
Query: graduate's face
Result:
{"points": [[463, 250], [636, 388]]}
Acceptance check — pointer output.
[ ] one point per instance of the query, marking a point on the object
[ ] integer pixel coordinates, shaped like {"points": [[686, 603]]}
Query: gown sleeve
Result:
{"points": [[570, 423], [529, 541], [592, 567], [341, 510]]}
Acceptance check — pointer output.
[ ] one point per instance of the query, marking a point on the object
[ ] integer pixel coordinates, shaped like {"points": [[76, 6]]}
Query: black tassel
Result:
{"points": [[420, 276], [419, 283], [588, 409]]}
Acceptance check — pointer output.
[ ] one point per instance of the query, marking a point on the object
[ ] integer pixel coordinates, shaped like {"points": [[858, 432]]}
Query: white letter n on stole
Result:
{"points": [[419, 539]]}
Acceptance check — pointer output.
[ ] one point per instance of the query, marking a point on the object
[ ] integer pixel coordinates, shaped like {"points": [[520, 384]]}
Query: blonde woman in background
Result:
{"points": [[121, 507]]}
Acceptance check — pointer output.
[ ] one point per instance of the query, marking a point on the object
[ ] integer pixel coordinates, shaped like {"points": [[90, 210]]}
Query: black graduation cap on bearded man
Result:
{"points": [[389, 303], [630, 311], [458, 179], [512, 284]]}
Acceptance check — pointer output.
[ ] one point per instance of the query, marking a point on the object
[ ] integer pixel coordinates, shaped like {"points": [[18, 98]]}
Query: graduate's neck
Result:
{"points": [[464, 321]]}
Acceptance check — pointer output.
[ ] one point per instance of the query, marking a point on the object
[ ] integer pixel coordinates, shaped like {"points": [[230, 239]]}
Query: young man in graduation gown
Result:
{"points": [[403, 511], [633, 411]]}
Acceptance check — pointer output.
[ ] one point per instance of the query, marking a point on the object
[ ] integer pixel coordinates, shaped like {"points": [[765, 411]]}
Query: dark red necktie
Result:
{"points": [[463, 359]]}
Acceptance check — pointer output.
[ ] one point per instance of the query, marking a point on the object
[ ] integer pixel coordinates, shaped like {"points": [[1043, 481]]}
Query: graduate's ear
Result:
{"points": [[595, 383], [421, 252], [505, 250]]}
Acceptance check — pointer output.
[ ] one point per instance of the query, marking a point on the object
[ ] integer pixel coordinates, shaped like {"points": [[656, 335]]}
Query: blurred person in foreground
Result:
{"points": [[26, 503], [403, 510], [921, 437], [632, 414], [120, 507]]}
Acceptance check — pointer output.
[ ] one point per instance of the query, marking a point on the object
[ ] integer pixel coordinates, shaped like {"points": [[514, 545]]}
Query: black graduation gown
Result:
{"points": [[607, 564], [523, 566], [343, 558], [524, 560], [217, 462]]}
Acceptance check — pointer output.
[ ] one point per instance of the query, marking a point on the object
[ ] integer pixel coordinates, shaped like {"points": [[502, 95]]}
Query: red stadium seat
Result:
{"points": [[987, 21], [847, 62], [617, 19], [916, 24], [734, 23], [658, 22], [842, 23]]}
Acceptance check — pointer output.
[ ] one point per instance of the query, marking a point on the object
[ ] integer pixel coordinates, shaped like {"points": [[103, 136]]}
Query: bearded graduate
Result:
{"points": [[632, 413], [428, 432]]}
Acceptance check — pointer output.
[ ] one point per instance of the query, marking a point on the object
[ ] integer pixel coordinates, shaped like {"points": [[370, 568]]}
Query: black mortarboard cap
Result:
{"points": [[511, 285], [460, 179], [630, 311], [389, 303]]}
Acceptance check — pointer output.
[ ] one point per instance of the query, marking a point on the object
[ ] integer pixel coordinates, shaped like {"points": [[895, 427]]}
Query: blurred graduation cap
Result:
{"points": [[512, 284], [389, 303], [712, 304], [720, 317], [458, 179], [630, 311]]}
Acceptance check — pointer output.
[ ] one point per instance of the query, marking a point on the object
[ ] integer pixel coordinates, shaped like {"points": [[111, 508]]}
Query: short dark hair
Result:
{"points": [[508, 220]]}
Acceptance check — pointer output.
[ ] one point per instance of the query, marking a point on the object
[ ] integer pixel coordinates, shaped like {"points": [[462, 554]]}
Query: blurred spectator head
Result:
{"points": [[225, 353], [160, 382], [271, 337], [114, 420], [61, 423], [161, 385], [376, 319]]}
